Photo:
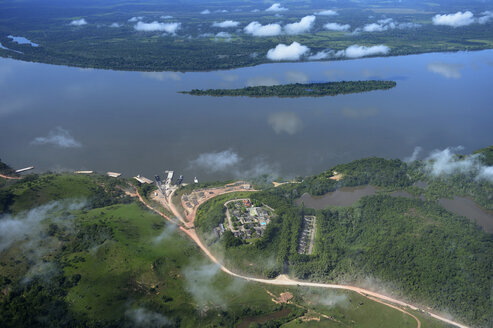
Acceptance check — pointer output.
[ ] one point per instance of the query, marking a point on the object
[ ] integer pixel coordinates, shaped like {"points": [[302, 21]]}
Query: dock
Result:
{"points": [[24, 169], [84, 172], [142, 179], [113, 174]]}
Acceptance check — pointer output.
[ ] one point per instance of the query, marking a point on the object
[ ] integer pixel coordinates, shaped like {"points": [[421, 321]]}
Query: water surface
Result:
{"points": [[467, 207], [62, 118], [345, 196]]}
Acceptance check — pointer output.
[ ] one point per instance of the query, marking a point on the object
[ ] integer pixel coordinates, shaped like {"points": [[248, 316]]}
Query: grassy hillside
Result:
{"points": [[98, 259]]}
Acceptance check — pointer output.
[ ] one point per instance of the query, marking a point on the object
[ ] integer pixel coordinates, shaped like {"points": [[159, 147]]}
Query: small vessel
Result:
{"points": [[195, 180]]}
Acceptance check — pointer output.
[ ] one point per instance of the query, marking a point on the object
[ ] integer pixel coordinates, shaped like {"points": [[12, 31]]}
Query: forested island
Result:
{"points": [[296, 90]]}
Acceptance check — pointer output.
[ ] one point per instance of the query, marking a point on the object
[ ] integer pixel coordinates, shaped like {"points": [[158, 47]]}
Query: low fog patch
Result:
{"points": [[135, 19], [142, 317], [446, 162], [199, 282], [216, 161], [205, 12], [294, 51], [58, 137], [28, 229], [414, 156], [168, 231]]}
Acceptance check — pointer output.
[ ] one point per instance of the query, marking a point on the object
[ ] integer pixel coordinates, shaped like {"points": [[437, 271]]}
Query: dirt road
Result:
{"points": [[284, 280], [9, 178]]}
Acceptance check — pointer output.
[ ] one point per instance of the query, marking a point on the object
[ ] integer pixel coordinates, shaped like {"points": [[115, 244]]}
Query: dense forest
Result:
{"points": [[410, 245], [295, 90]]}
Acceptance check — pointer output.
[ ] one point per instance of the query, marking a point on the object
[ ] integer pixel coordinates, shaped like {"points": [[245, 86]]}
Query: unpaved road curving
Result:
{"points": [[284, 280], [9, 178]]}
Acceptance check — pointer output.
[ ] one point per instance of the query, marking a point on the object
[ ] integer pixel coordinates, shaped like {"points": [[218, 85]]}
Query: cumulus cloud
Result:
{"points": [[276, 8], [166, 17], [205, 12], [257, 29], [226, 24], [170, 28], [284, 52], [303, 26], [135, 19], [78, 22], [387, 24], [356, 51], [116, 25], [486, 17], [322, 55], [285, 122], [447, 70], [142, 317], [337, 27], [58, 137], [327, 13], [261, 80], [455, 20], [218, 161], [446, 162], [223, 35]]}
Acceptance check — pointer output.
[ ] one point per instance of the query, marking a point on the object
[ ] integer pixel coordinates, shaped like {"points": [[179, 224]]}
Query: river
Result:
{"points": [[63, 118]]}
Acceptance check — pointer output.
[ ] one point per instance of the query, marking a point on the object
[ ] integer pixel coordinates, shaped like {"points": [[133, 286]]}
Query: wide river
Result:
{"points": [[61, 118]]}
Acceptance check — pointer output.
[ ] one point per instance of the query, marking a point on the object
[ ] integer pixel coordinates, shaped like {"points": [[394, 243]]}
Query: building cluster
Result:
{"points": [[245, 220], [305, 244]]}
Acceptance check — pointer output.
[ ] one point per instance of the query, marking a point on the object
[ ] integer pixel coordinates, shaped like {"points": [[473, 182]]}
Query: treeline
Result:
{"points": [[299, 89]]}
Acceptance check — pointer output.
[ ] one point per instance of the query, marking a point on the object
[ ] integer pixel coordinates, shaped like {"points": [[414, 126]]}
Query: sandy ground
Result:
{"points": [[284, 280], [337, 176]]}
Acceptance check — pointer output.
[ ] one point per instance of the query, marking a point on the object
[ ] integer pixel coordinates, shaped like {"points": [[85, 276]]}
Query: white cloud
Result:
{"points": [[374, 27], [223, 35], [322, 55], [487, 16], [78, 22], [205, 12], [166, 17], [261, 80], [414, 155], [455, 20], [226, 24], [116, 25], [276, 8], [216, 162], [255, 10], [450, 71], [284, 52], [327, 13], [257, 29], [337, 27], [156, 26], [285, 122], [304, 25], [446, 162], [356, 51], [221, 11], [135, 19], [58, 137]]}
